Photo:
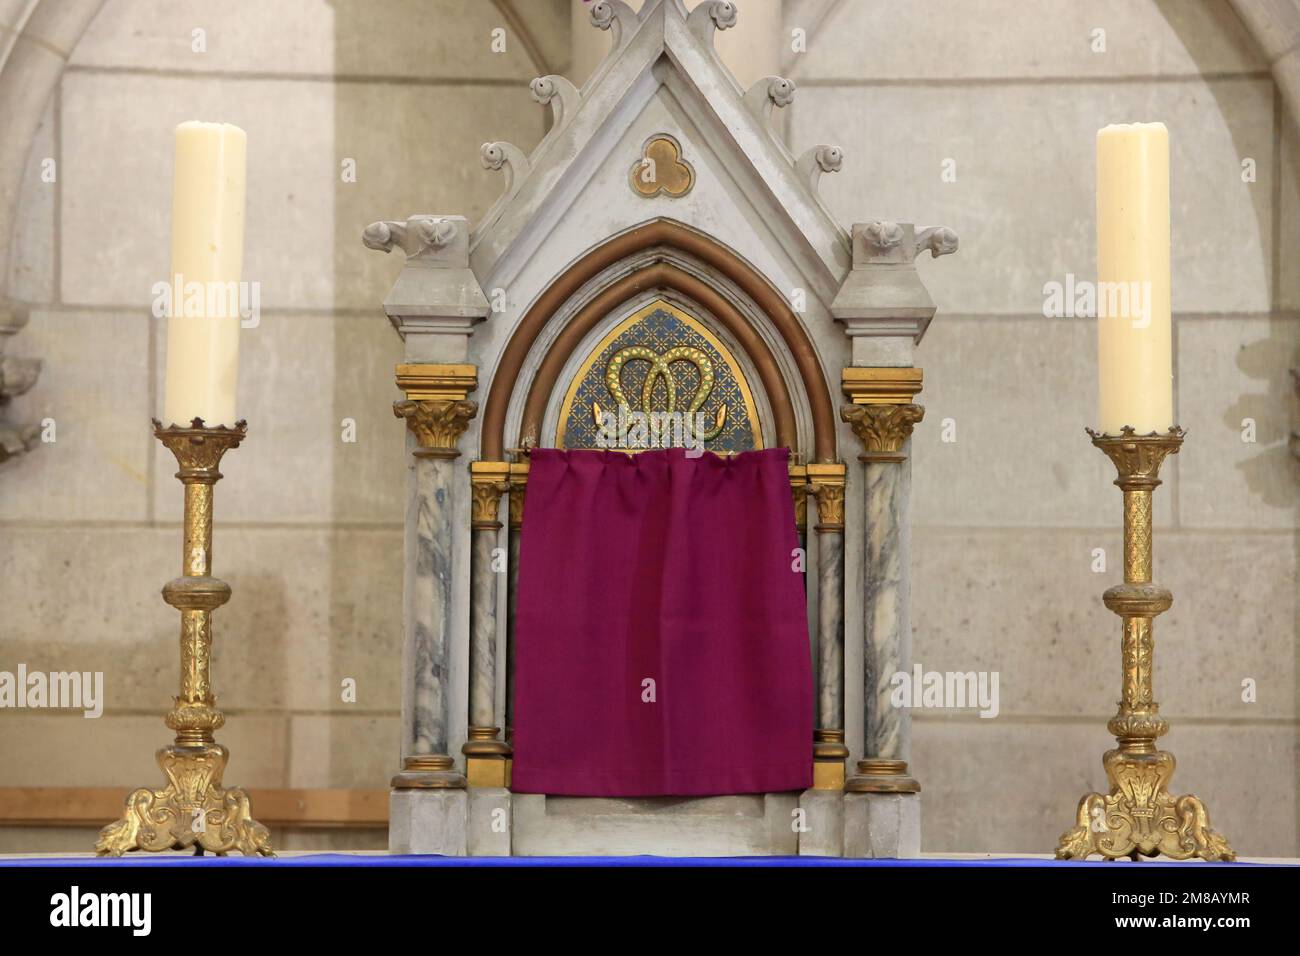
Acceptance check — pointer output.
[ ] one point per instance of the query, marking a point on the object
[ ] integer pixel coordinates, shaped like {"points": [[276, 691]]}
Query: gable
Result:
{"points": [[664, 79]]}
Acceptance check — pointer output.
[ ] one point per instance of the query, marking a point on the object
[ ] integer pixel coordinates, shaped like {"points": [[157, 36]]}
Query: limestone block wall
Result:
{"points": [[1007, 516], [309, 526]]}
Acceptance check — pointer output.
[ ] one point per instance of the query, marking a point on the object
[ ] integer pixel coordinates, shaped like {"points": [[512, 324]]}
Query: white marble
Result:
{"points": [[823, 823], [882, 825], [740, 825], [884, 599], [489, 821], [830, 630], [428, 822], [483, 630], [428, 606]]}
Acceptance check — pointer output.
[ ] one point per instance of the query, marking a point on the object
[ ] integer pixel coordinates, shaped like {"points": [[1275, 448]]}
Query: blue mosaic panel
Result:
{"points": [[661, 331]]}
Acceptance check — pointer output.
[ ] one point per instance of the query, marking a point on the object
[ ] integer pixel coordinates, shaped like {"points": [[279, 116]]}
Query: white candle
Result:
{"points": [[1134, 345], [207, 258]]}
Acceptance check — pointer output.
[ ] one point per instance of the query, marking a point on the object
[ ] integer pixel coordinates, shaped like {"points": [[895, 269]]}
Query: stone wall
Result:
{"points": [[309, 527], [1008, 515]]}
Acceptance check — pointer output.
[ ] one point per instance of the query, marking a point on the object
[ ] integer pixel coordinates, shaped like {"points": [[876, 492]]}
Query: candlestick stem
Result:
{"points": [[194, 807], [1139, 817]]}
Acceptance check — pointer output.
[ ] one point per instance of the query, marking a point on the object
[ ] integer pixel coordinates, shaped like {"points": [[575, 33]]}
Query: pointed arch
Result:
{"points": [[661, 232]]}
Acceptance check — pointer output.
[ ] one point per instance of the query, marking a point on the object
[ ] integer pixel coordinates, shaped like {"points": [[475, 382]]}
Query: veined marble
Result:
{"points": [[428, 606], [483, 630], [888, 645], [830, 630]]}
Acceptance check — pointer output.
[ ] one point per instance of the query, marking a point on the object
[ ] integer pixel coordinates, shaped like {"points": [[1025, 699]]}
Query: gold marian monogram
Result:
{"points": [[661, 367]]}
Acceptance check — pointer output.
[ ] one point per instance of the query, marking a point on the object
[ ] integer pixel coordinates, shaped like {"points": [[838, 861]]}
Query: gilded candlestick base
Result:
{"points": [[194, 808], [1139, 817]]}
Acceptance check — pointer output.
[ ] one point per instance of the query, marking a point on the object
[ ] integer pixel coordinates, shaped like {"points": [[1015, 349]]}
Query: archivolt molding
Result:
{"points": [[771, 339], [532, 329]]}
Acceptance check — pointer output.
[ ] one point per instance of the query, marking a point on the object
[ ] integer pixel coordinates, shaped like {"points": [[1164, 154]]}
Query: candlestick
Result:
{"points": [[1135, 352], [207, 259], [1139, 816], [193, 807]]}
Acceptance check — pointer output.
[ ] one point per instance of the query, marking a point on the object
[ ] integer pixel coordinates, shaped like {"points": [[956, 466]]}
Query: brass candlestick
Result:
{"points": [[194, 808], [1139, 816]]}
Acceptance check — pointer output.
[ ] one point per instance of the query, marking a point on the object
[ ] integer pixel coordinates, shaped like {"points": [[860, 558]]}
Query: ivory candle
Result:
{"points": [[1134, 347], [207, 257]]}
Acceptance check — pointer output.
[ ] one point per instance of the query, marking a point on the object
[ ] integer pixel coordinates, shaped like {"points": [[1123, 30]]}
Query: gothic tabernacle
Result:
{"points": [[578, 499]]}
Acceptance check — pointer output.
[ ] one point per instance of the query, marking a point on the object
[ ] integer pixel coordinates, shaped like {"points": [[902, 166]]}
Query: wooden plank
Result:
{"points": [[82, 806]]}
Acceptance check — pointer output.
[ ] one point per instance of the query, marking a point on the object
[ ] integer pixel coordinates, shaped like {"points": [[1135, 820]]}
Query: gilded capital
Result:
{"points": [[882, 429], [437, 409], [485, 502], [518, 473], [827, 484], [488, 482], [799, 490], [437, 425]]}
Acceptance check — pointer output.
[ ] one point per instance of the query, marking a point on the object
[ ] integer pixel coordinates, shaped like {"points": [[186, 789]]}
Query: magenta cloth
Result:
{"points": [[670, 568]]}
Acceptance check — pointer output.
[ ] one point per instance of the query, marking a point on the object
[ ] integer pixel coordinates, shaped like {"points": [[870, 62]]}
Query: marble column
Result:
{"points": [[882, 417], [518, 484], [829, 752], [485, 755], [437, 413]]}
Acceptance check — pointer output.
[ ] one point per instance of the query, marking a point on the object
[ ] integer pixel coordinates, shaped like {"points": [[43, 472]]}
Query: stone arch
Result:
{"points": [[661, 233]]}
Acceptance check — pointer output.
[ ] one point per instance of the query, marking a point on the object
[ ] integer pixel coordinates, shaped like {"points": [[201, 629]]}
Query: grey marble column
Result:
{"points": [[483, 626], [884, 612], [829, 751], [485, 764], [884, 430], [518, 484], [434, 428]]}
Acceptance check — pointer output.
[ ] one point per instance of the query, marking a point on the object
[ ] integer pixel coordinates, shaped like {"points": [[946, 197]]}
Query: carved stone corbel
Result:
{"points": [[940, 240], [767, 94], [17, 375], [816, 161], [560, 95], [879, 236], [507, 156], [618, 18], [710, 17], [418, 236]]}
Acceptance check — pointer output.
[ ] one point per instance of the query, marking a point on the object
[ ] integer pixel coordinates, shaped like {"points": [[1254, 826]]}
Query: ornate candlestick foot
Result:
{"points": [[1139, 817], [194, 808]]}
